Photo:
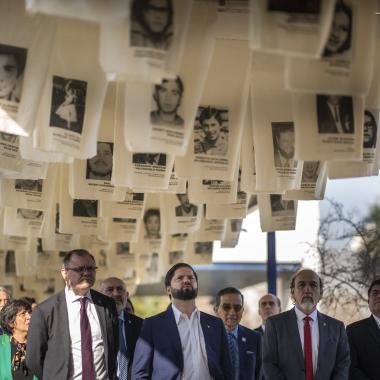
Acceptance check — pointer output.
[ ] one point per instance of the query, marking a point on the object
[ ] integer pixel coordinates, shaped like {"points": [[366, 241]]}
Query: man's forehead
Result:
{"points": [[231, 298], [307, 276], [113, 282], [375, 287], [268, 298], [183, 271], [3, 294], [81, 259]]}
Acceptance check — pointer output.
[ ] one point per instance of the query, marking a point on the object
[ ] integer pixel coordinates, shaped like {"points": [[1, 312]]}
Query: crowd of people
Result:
{"points": [[81, 333]]}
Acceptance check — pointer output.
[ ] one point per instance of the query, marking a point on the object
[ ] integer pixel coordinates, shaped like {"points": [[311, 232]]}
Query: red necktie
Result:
{"points": [[307, 349], [88, 371]]}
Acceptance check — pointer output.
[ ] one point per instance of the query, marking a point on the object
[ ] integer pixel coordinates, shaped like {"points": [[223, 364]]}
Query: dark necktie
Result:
{"points": [[88, 371], [307, 348], [233, 352], [122, 358]]}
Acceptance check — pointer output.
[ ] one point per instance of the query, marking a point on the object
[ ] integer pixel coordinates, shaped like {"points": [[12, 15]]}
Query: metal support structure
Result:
{"points": [[271, 263]]}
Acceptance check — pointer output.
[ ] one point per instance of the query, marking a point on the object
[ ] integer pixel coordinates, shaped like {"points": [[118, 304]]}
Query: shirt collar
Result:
{"points": [[234, 331], [377, 319], [178, 314], [121, 316], [72, 297], [301, 315]]}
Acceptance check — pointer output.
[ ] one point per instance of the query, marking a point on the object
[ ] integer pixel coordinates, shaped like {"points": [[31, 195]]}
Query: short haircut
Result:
{"points": [[77, 252], [30, 300], [228, 290], [270, 294], [9, 312], [151, 212], [372, 143], [208, 113], [5, 290], [171, 272], [19, 55], [293, 278], [376, 281], [177, 79]]}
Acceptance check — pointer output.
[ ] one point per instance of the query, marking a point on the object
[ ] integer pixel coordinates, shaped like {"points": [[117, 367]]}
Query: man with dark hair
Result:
{"points": [[167, 96], [364, 339], [303, 343], [185, 208], [99, 167], [369, 130], [129, 325], [269, 305], [73, 334], [182, 342], [283, 144], [244, 344]]}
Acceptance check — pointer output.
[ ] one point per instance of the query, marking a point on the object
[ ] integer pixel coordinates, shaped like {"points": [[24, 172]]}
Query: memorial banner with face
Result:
{"points": [[346, 62], [25, 48], [131, 207], [214, 149], [148, 44], [199, 252], [328, 127], [277, 169], [72, 101], [290, 27], [276, 213]]}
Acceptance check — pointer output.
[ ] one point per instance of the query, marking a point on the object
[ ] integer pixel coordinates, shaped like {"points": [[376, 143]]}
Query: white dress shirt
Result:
{"points": [[314, 333], [377, 319], [193, 345], [73, 309], [335, 112]]}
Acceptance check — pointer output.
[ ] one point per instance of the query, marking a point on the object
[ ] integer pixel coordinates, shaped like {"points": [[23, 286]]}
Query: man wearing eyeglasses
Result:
{"points": [[129, 325], [244, 344], [74, 334]]}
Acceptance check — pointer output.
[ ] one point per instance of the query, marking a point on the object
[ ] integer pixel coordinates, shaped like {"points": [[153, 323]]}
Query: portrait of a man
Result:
{"points": [[203, 247], [283, 144], [185, 208], [152, 223], [152, 24], [85, 208], [370, 130], [158, 159], [9, 138], [99, 167], [29, 184], [310, 171], [26, 213], [213, 139], [335, 114], [167, 97], [122, 248], [281, 207]]}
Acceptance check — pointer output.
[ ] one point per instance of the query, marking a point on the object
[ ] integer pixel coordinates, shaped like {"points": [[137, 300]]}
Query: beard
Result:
{"points": [[184, 294], [308, 304]]}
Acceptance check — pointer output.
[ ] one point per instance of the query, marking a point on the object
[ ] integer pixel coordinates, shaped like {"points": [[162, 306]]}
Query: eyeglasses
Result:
{"points": [[228, 307], [82, 269]]}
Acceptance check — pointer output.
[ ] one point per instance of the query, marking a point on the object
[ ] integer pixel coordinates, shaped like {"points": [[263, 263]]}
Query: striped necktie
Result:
{"points": [[122, 359], [233, 352]]}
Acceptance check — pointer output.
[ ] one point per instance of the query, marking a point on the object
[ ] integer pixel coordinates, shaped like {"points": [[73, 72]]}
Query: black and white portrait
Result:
{"points": [[151, 24], [122, 248], [68, 104], [85, 208], [339, 42], [152, 223], [211, 131], [281, 207], [283, 144], [26, 213], [185, 208], [203, 247], [9, 138], [369, 130], [10, 262], [29, 184], [175, 257], [335, 114], [138, 197], [156, 159], [99, 167], [294, 6], [310, 171], [213, 182], [124, 220], [12, 66]]}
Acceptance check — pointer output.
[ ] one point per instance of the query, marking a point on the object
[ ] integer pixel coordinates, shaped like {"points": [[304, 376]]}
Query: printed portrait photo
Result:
{"points": [[185, 208], [152, 24], [68, 104], [26, 213], [152, 223], [8, 138], [122, 248], [283, 144], [167, 98], [369, 130], [280, 207], [295, 6], [310, 171], [12, 66], [211, 131], [124, 220], [335, 114], [99, 167], [339, 42], [156, 159], [85, 208], [29, 184], [203, 247]]}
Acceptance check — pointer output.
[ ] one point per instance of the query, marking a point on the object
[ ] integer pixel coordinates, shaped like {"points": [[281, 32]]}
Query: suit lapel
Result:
{"points": [[294, 332], [129, 331], [374, 329], [173, 331], [100, 310], [323, 328], [242, 345], [63, 322]]}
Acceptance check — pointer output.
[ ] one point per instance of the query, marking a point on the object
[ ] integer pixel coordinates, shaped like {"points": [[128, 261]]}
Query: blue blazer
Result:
{"points": [[158, 354], [249, 343]]}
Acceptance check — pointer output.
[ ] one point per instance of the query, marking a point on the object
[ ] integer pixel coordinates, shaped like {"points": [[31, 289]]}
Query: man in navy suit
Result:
{"points": [[182, 342], [364, 339], [244, 344], [129, 325]]}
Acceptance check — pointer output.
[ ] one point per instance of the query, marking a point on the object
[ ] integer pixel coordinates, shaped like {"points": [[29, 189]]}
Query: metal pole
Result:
{"points": [[271, 263]]}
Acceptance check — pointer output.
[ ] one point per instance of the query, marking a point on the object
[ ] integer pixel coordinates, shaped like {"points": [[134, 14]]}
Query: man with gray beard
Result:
{"points": [[303, 343], [182, 342]]}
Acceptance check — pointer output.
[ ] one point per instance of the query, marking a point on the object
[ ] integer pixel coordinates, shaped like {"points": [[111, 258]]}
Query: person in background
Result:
{"points": [[5, 297], [269, 305]]}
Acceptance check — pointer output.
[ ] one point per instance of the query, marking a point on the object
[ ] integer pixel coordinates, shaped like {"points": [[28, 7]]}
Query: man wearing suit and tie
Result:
{"points": [[364, 339], [129, 325], [244, 344], [302, 343], [335, 114], [73, 334], [182, 342], [269, 305]]}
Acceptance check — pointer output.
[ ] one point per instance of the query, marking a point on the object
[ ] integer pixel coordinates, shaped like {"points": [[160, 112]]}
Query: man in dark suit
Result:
{"points": [[244, 344], [129, 325], [182, 342], [73, 334], [185, 208], [364, 339], [335, 114], [303, 343], [269, 305]]}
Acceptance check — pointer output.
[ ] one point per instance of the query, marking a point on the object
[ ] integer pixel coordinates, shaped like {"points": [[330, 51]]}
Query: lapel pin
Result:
{"points": [[208, 326], [324, 324], [243, 339]]}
